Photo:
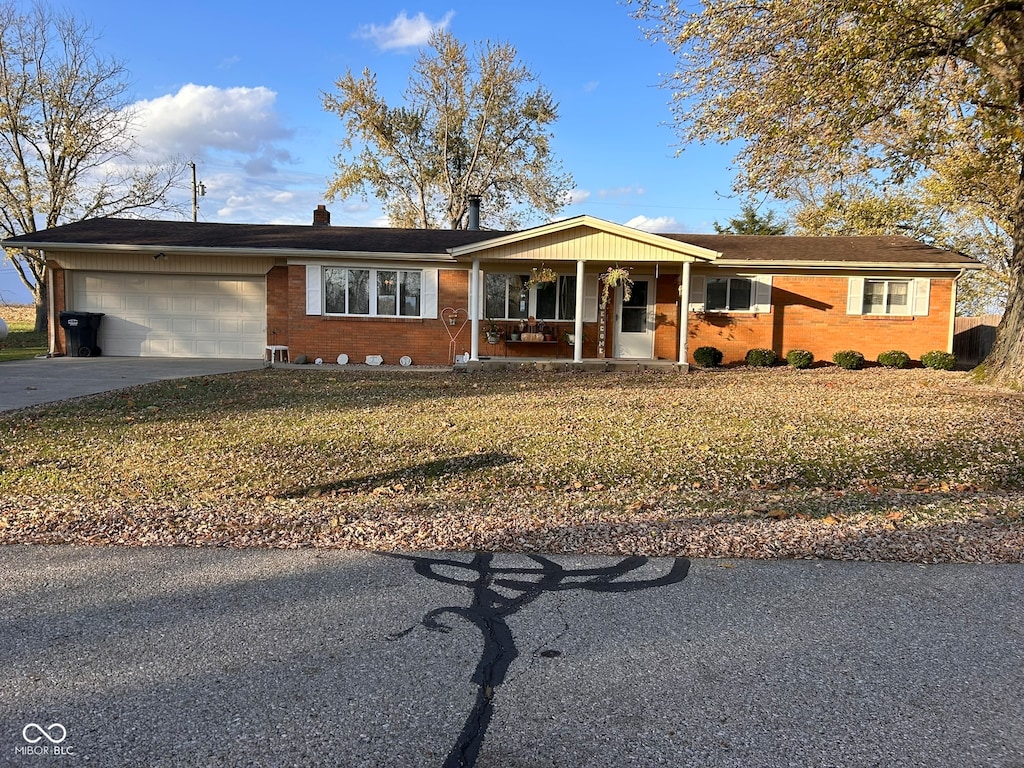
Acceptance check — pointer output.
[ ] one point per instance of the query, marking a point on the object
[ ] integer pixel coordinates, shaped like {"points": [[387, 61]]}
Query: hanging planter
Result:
{"points": [[540, 276], [610, 280]]}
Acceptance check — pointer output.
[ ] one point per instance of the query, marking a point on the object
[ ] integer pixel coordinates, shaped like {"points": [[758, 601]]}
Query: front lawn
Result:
{"points": [[875, 464]]}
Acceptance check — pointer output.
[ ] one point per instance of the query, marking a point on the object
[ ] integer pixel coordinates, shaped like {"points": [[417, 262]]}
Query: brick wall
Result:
{"points": [[278, 313], [57, 285], [809, 312], [666, 318], [426, 341]]}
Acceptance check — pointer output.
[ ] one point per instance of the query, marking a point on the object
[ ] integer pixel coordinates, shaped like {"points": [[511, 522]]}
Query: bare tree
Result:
{"points": [[469, 125], [65, 135]]}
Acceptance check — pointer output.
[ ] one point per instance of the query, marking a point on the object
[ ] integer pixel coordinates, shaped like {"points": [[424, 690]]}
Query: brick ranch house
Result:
{"points": [[184, 289]]}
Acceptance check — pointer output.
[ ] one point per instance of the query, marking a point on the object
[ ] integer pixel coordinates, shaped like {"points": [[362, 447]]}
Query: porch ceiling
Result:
{"points": [[584, 238]]}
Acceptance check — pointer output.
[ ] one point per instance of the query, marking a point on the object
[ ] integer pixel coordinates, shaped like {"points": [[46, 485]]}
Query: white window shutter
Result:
{"points": [[696, 298], [429, 308], [922, 289], [762, 294], [590, 298], [314, 289], [855, 297]]}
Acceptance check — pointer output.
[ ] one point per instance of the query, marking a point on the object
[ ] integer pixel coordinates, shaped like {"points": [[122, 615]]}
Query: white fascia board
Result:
{"points": [[621, 230], [843, 265], [288, 253]]}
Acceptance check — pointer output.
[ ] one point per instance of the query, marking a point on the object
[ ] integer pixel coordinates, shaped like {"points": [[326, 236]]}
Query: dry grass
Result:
{"points": [[18, 314], [876, 464]]}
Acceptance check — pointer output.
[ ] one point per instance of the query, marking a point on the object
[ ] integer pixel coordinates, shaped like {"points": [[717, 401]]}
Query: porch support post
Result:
{"points": [[577, 348], [474, 311], [684, 313]]}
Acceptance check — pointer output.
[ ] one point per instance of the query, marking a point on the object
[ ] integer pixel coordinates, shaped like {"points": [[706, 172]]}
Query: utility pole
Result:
{"points": [[198, 190]]}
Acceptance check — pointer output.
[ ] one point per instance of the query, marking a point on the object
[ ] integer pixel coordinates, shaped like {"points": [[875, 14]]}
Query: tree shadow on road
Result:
{"points": [[500, 592]]}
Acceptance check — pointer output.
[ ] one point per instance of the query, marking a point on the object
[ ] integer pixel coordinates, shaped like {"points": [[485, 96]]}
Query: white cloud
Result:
{"points": [[200, 118], [656, 224], [404, 32], [591, 86], [577, 196]]}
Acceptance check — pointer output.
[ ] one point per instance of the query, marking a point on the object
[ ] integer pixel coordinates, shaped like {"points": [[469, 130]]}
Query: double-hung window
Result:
{"points": [[886, 297], [372, 292], [506, 297], [733, 294]]}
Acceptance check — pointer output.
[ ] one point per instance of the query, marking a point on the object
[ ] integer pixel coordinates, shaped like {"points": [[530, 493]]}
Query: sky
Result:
{"points": [[236, 88]]}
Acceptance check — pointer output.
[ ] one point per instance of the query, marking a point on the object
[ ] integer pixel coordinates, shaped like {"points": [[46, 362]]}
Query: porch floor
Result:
{"points": [[568, 364]]}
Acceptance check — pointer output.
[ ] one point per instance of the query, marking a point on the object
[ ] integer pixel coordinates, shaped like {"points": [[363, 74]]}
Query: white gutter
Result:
{"points": [[843, 265], [291, 253]]}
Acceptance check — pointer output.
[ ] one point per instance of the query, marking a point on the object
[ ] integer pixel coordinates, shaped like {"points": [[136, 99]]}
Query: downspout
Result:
{"points": [[474, 311], [684, 314], [577, 348]]}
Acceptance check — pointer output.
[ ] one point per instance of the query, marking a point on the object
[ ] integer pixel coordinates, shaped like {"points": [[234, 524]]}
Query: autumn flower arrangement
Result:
{"points": [[540, 276], [611, 279]]}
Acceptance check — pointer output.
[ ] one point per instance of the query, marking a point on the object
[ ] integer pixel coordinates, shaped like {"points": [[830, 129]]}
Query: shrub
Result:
{"points": [[939, 360], [707, 357], [799, 358], [894, 358], [849, 359], [762, 358]]}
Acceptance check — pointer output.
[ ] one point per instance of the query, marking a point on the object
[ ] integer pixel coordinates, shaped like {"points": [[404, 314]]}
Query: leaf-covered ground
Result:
{"points": [[877, 464]]}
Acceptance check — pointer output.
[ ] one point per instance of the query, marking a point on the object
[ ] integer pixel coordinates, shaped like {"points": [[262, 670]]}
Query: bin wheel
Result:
{"points": [[85, 351]]}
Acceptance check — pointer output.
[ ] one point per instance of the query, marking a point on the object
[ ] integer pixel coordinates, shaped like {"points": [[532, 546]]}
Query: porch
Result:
{"points": [[643, 328]]}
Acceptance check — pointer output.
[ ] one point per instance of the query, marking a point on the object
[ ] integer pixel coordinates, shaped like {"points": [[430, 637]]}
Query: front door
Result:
{"points": [[634, 320]]}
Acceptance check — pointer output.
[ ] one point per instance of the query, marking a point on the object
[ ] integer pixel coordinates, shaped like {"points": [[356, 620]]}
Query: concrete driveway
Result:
{"points": [[211, 657], [47, 380]]}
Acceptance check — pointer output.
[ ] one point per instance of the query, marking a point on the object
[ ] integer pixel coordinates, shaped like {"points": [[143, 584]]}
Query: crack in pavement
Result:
{"points": [[490, 608]]}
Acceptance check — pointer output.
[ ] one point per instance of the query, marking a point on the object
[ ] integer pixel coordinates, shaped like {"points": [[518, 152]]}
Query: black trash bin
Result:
{"points": [[81, 333]]}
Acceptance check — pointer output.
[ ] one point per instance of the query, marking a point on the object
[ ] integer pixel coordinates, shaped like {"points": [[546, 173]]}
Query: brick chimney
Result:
{"points": [[321, 216]]}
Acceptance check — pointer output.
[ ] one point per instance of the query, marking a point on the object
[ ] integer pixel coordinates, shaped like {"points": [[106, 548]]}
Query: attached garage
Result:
{"points": [[175, 315]]}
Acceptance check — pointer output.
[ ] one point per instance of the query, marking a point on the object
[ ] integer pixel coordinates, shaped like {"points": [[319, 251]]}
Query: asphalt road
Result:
{"points": [[211, 657]]}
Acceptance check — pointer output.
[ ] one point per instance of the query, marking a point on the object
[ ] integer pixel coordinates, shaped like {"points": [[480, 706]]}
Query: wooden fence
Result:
{"points": [[973, 337]]}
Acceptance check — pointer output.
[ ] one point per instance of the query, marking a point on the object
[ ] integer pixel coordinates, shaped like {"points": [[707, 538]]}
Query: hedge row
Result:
{"points": [[850, 359]]}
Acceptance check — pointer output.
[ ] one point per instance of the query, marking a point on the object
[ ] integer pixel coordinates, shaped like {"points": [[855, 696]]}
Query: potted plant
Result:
{"points": [[610, 280], [492, 331], [540, 276]]}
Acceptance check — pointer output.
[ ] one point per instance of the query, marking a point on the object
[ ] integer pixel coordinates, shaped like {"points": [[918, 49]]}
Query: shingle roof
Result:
{"points": [[863, 250], [145, 233], [300, 237]]}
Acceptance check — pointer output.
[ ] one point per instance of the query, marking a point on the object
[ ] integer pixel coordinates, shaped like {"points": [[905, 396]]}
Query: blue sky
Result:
{"points": [[236, 86]]}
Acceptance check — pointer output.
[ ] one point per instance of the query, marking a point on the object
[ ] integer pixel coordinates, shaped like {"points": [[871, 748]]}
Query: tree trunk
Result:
{"points": [[39, 296], [1004, 365]]}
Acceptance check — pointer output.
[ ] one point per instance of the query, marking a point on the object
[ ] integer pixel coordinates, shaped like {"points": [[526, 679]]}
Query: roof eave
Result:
{"points": [[695, 251], [287, 253], [846, 265]]}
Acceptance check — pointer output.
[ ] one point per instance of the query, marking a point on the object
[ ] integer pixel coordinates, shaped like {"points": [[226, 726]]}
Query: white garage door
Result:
{"points": [[175, 315]]}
